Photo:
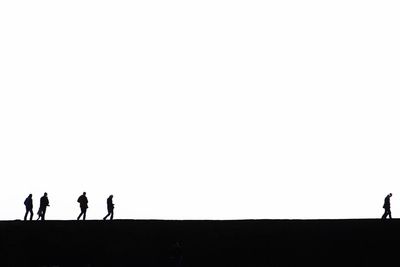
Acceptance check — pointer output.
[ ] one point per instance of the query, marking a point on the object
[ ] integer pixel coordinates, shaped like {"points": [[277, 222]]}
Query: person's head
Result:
{"points": [[390, 194], [45, 194], [84, 193], [30, 196], [111, 196]]}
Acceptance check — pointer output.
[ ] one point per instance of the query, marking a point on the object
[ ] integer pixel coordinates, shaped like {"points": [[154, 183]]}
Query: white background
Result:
{"points": [[200, 109]]}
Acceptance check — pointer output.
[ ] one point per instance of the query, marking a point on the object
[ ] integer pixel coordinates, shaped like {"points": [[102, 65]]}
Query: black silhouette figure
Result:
{"points": [[44, 203], [386, 206], [83, 201], [110, 208], [29, 207]]}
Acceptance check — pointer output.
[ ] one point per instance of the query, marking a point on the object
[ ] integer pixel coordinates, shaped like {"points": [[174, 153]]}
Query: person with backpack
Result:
{"points": [[83, 203], [29, 207]]}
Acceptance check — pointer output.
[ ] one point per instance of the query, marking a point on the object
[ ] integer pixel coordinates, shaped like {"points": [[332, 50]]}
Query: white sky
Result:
{"points": [[200, 109]]}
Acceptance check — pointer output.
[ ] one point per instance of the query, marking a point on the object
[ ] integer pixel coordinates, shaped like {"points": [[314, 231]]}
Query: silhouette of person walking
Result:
{"points": [[110, 208], [29, 207], [386, 206], [83, 202], [44, 203]]}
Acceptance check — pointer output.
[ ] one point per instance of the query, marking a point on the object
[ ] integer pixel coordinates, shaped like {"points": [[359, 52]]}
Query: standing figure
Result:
{"points": [[110, 208], [83, 202], [386, 206], [44, 203], [29, 207]]}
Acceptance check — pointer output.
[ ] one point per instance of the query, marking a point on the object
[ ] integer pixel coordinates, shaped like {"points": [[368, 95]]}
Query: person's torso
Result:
{"points": [[28, 203], [110, 204], [83, 201], [44, 201], [387, 202]]}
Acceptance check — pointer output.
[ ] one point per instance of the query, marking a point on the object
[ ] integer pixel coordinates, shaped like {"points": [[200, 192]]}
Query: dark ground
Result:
{"points": [[200, 243]]}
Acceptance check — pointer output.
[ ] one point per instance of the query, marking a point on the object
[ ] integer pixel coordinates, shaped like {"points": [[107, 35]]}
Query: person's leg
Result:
{"points": [[105, 218], [384, 214], [80, 215], [31, 212], [112, 215], [43, 214], [84, 215], [26, 214], [390, 214]]}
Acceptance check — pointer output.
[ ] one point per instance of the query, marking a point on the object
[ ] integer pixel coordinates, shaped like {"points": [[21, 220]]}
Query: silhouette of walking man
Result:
{"points": [[110, 208], [29, 207], [44, 203], [83, 202], [386, 206]]}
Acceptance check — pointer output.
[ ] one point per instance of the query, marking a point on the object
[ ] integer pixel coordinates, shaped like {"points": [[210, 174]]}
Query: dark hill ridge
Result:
{"points": [[200, 243]]}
